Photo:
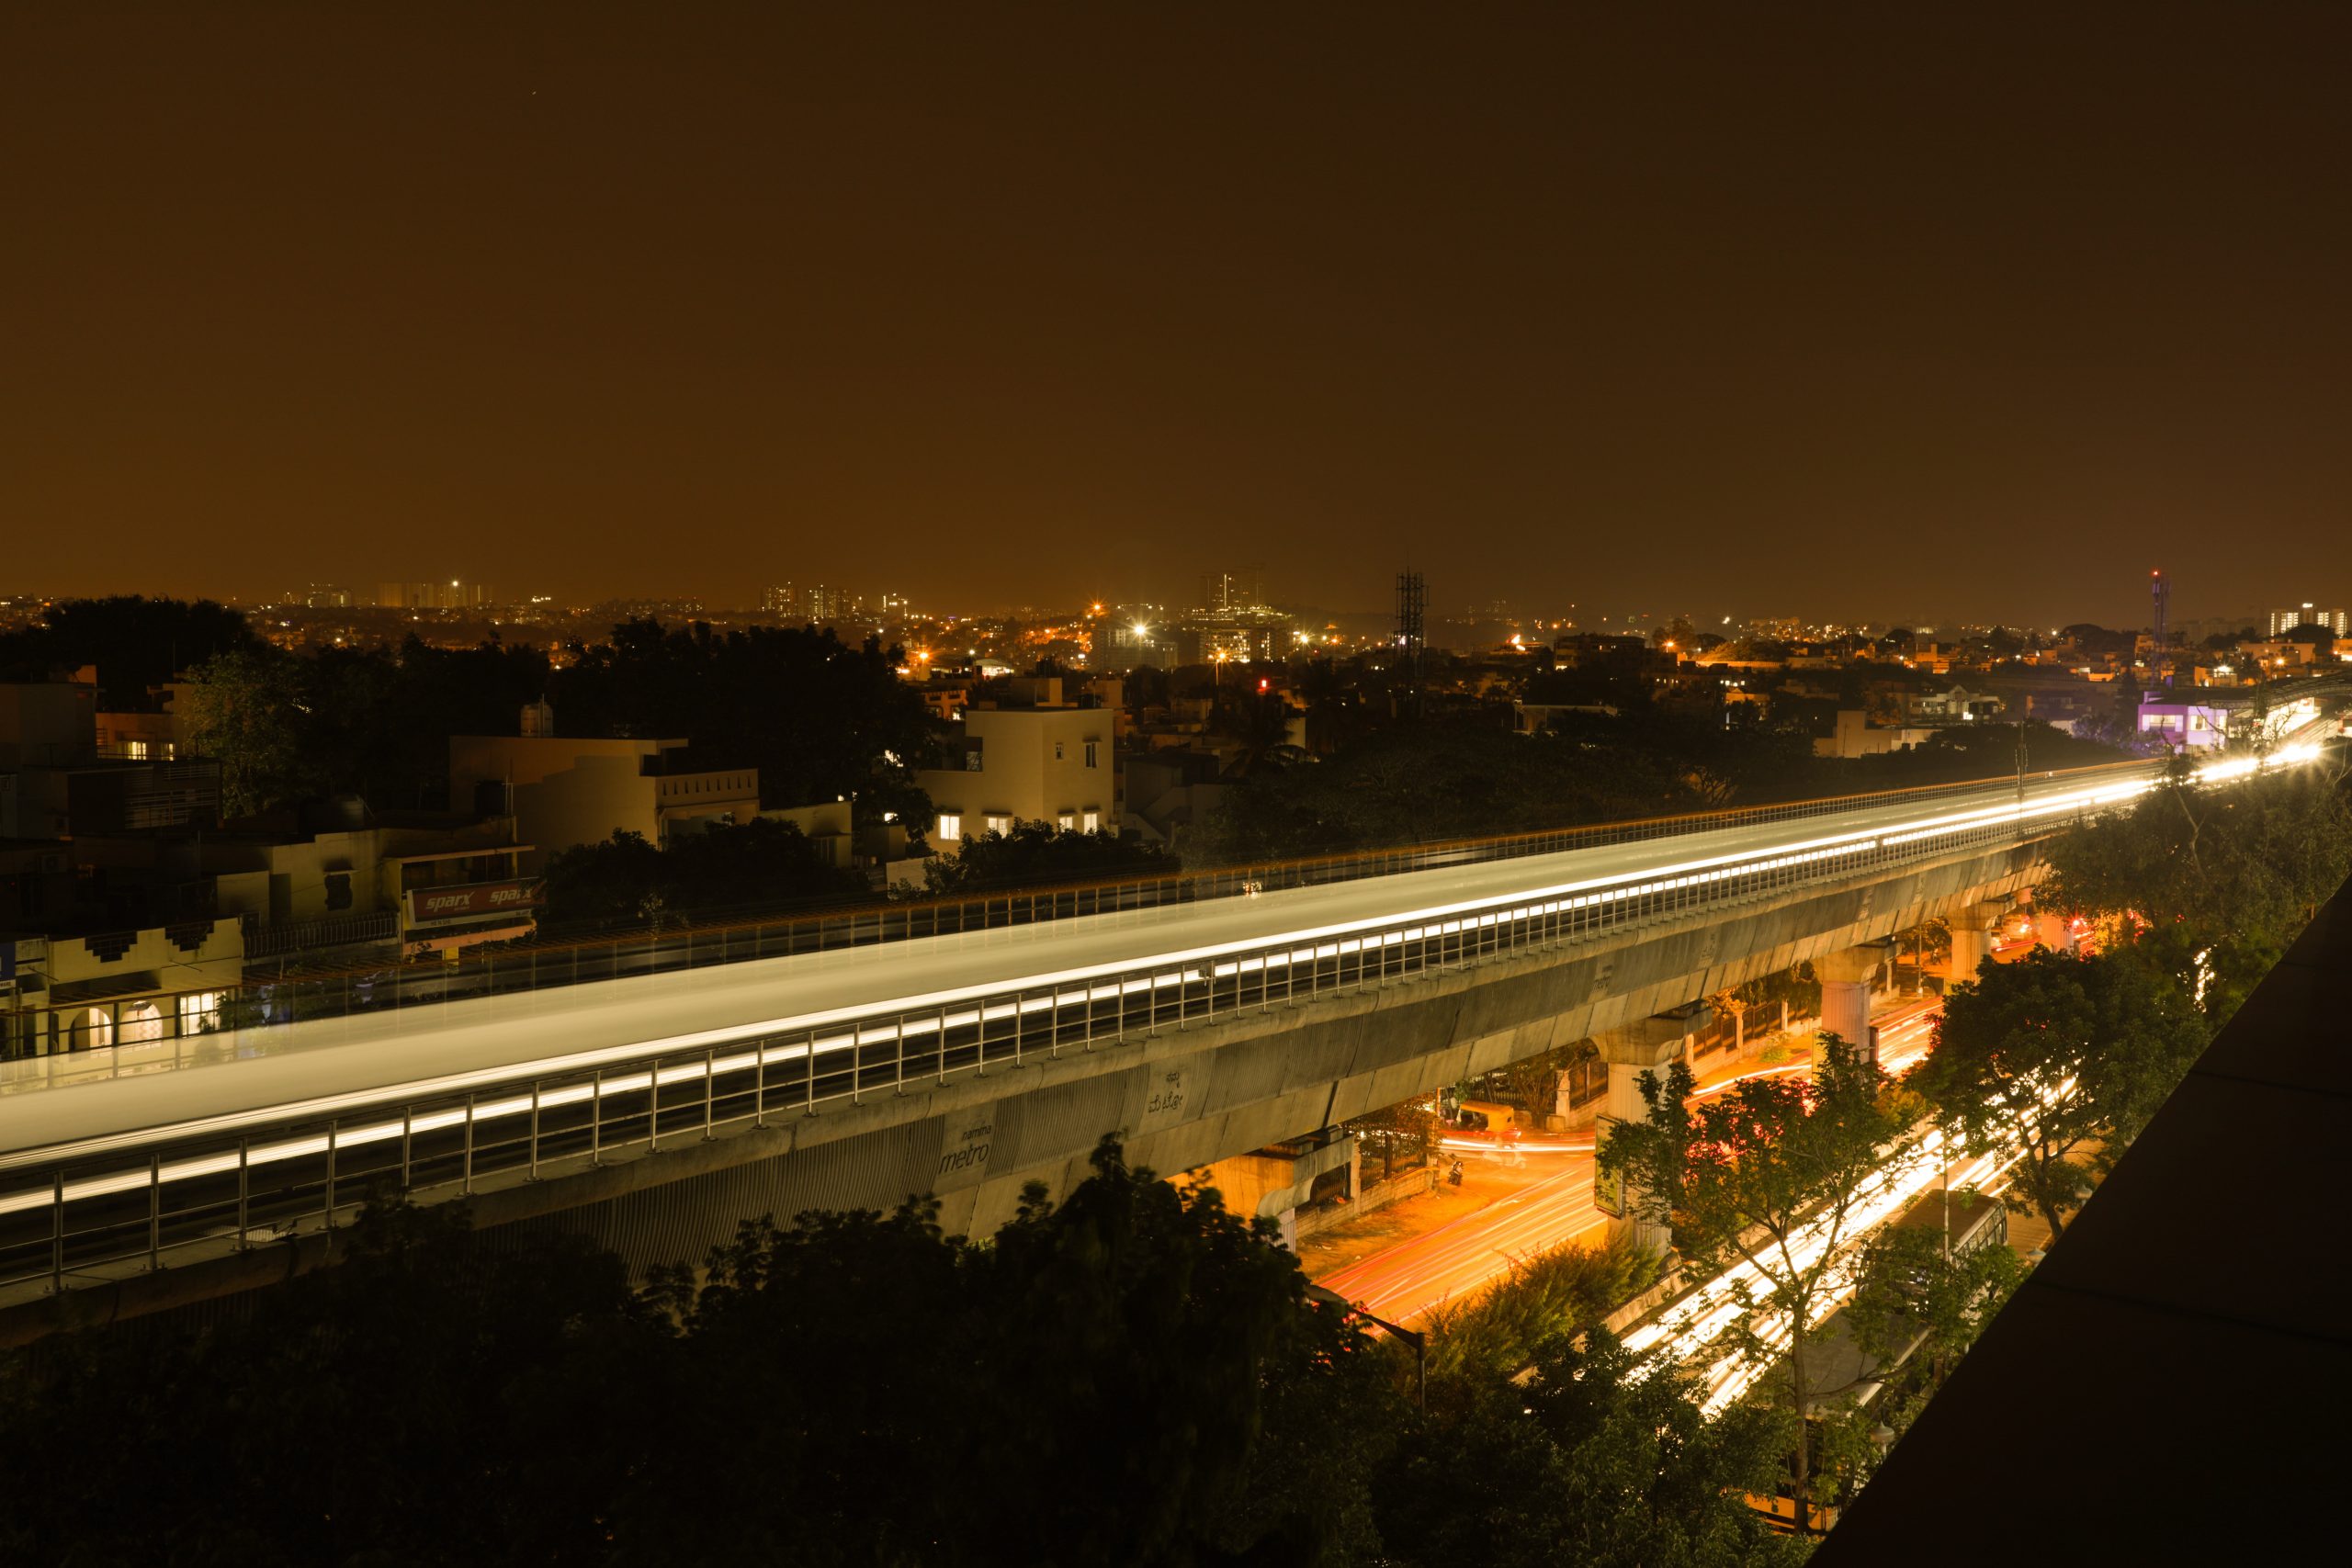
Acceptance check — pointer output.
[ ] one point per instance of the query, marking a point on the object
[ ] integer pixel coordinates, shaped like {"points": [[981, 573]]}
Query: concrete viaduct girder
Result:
{"points": [[1187, 1097], [1181, 1097]]}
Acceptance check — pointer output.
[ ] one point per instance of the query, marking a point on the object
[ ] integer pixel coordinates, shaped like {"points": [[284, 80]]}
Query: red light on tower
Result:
{"points": [[1261, 683]]}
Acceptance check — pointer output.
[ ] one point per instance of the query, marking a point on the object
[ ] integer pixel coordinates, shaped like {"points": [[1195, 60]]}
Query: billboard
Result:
{"points": [[471, 901]]}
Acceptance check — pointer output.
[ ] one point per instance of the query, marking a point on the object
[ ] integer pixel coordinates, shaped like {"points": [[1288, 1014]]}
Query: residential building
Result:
{"points": [[1036, 759], [944, 699], [1169, 792], [60, 993], [566, 790], [1530, 718], [56, 780], [2339, 622], [1139, 643], [453, 594], [1956, 702], [1854, 736], [828, 829]]}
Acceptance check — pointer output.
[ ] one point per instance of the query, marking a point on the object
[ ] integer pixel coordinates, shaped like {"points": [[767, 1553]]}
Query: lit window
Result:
{"points": [[1066, 821], [998, 824], [1094, 821], [199, 1011], [137, 749], [951, 825]]}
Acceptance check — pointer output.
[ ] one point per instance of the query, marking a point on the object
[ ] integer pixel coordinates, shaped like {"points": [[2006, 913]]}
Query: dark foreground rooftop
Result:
{"points": [[2174, 1384]]}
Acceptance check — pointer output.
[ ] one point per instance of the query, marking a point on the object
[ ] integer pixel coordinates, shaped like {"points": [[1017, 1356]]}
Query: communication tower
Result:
{"points": [[1412, 626]]}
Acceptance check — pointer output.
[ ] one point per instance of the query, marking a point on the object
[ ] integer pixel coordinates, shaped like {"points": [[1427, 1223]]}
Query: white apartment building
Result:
{"points": [[1048, 763], [2284, 621]]}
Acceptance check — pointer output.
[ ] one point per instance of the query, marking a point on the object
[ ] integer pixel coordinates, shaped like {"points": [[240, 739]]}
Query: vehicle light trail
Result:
{"points": [[828, 1027], [1688, 1325]]}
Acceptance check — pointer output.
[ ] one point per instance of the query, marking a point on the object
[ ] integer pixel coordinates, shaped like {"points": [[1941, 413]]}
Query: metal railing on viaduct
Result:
{"points": [[103, 1207], [298, 994]]}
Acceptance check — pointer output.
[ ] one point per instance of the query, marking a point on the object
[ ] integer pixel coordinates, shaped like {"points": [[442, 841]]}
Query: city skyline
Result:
{"points": [[823, 601]]}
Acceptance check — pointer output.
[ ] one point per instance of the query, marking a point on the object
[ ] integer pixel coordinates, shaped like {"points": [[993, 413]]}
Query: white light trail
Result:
{"points": [[851, 1029]]}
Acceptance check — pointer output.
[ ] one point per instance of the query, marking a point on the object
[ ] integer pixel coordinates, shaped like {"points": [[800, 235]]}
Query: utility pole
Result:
{"points": [[1326, 1296], [2021, 763]]}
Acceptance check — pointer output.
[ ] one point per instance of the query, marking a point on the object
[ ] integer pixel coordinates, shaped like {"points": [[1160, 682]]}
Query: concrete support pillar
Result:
{"points": [[1972, 937], [1846, 990], [1645, 1045], [2051, 932]]}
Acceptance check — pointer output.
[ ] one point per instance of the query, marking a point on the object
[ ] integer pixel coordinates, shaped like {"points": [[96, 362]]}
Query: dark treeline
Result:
{"points": [[819, 720], [134, 641], [626, 882], [1468, 776], [1132, 1376]]}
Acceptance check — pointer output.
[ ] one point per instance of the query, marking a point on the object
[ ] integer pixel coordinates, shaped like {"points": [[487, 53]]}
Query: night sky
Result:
{"points": [[1957, 312]]}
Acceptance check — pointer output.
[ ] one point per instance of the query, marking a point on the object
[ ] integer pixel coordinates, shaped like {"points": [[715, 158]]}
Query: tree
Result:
{"points": [[1587, 1456], [2043, 1055], [377, 721], [820, 720], [2222, 878], [753, 866], [1132, 1376], [134, 641], [471, 1394], [1402, 1132], [1415, 782], [1910, 1285], [245, 711], [875, 1390], [1037, 854], [1533, 1082], [1255, 724], [1771, 1173], [1541, 1299]]}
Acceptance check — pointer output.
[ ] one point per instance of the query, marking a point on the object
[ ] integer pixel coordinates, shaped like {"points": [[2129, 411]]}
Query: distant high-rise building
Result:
{"points": [[816, 604], [1233, 589], [2337, 622], [326, 596], [453, 595]]}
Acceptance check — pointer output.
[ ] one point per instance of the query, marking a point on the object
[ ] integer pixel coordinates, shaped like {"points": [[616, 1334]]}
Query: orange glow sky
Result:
{"points": [[1733, 312]]}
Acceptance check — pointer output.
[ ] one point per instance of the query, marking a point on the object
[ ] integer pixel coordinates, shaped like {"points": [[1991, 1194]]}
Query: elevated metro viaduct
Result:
{"points": [[1185, 1098], [1182, 1095]]}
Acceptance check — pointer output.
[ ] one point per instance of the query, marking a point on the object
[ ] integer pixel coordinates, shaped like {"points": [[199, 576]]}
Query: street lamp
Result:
{"points": [[1326, 1296]]}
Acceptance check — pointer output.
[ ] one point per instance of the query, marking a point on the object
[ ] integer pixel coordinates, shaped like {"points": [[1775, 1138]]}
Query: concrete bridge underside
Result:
{"points": [[1181, 1098], [1186, 1097]]}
